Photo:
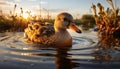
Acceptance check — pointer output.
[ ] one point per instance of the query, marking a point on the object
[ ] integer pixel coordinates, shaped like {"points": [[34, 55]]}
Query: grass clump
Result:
{"points": [[108, 23]]}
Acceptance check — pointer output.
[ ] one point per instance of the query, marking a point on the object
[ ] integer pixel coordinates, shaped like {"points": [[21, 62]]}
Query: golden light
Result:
{"points": [[25, 15]]}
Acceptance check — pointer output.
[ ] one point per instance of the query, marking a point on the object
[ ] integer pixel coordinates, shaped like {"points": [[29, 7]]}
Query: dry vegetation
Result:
{"points": [[108, 24], [16, 22]]}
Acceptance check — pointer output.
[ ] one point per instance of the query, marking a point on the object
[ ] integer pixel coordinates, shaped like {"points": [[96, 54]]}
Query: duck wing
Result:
{"points": [[42, 34]]}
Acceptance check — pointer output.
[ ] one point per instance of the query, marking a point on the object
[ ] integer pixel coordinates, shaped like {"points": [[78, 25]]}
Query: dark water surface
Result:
{"points": [[15, 54]]}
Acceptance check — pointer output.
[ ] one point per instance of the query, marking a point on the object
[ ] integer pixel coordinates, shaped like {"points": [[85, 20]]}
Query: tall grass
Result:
{"points": [[12, 24], [16, 22], [108, 24]]}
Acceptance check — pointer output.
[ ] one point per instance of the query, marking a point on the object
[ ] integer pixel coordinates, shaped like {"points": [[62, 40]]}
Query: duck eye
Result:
{"points": [[65, 19]]}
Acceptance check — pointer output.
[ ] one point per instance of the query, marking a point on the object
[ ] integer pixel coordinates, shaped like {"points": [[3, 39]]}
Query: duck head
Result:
{"points": [[65, 21]]}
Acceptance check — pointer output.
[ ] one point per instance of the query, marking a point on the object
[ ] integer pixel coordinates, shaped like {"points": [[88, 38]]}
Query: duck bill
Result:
{"points": [[73, 27]]}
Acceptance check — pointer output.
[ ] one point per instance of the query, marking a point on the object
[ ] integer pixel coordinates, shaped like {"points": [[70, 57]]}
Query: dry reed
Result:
{"points": [[108, 24]]}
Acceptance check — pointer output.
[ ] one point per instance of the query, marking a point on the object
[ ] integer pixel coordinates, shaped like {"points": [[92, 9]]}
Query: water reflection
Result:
{"points": [[103, 59], [62, 60], [106, 56]]}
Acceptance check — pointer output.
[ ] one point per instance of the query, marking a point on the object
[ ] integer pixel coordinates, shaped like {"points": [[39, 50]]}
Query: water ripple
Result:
{"points": [[82, 51]]}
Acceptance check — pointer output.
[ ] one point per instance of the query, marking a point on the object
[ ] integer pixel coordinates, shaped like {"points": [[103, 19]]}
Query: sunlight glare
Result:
{"points": [[25, 15]]}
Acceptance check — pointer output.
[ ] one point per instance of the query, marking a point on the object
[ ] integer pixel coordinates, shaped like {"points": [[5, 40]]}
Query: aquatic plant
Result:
{"points": [[108, 24]]}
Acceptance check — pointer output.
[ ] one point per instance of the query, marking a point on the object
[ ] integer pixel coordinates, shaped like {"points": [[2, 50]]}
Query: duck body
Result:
{"points": [[63, 39], [53, 35]]}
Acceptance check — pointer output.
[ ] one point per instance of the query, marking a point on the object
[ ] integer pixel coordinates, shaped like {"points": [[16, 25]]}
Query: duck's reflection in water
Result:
{"points": [[62, 58], [62, 61]]}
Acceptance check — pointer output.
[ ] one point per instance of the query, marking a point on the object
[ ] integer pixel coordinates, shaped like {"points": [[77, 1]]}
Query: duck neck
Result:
{"points": [[62, 35]]}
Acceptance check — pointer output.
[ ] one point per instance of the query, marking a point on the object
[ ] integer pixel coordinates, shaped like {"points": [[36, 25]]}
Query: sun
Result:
{"points": [[25, 15]]}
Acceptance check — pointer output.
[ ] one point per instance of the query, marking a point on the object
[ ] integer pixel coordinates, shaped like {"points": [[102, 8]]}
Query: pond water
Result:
{"points": [[83, 54]]}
